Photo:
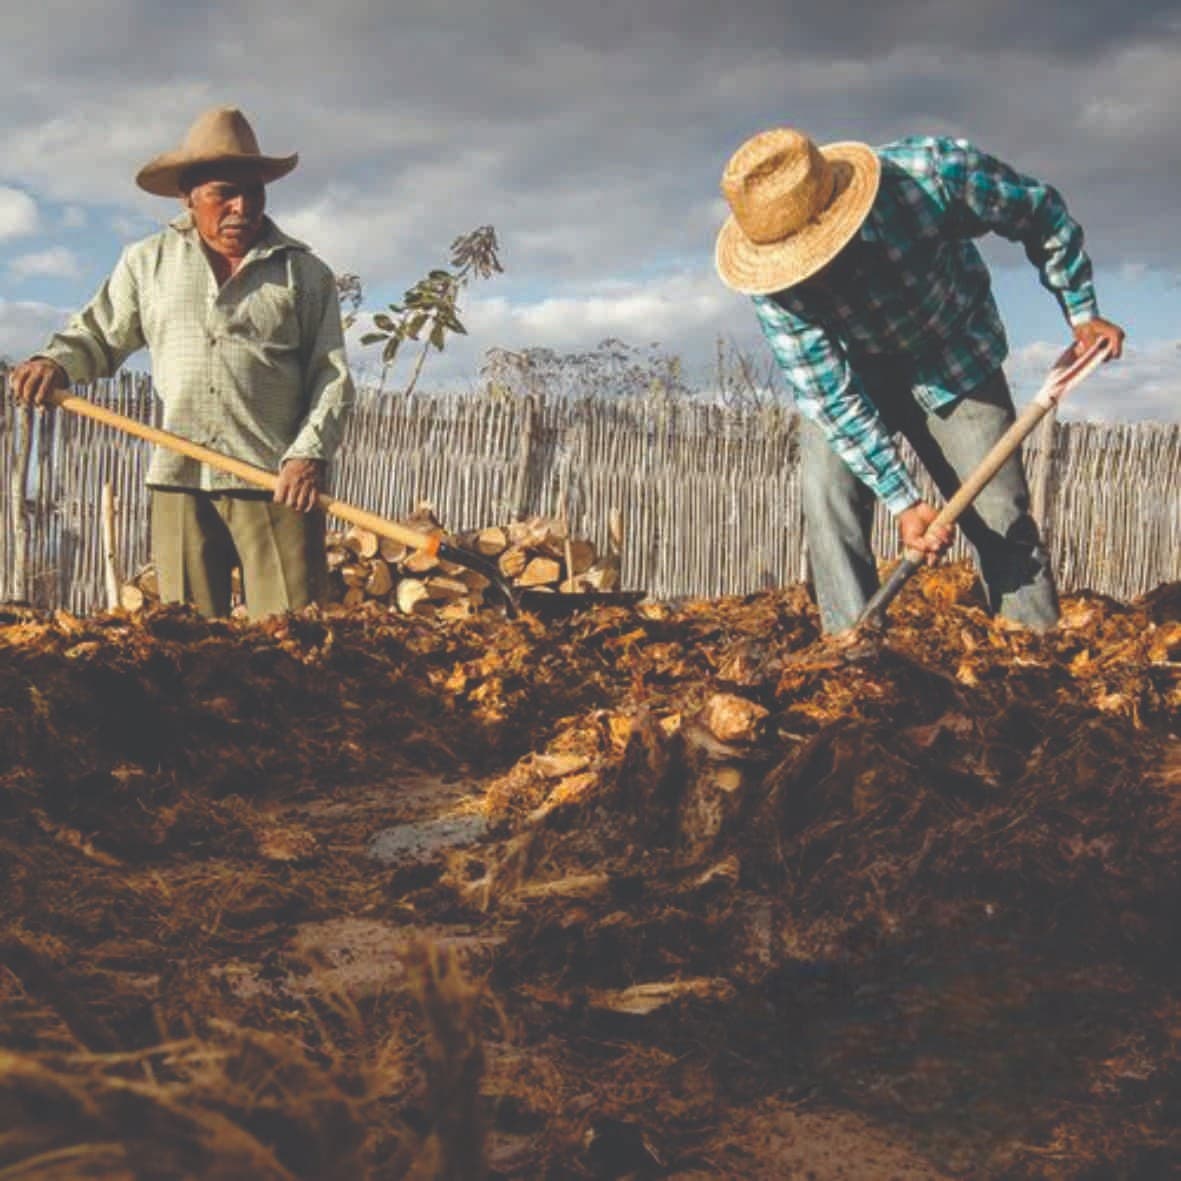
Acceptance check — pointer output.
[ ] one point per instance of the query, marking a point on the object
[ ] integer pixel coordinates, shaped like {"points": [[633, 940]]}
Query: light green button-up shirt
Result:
{"points": [[255, 368]]}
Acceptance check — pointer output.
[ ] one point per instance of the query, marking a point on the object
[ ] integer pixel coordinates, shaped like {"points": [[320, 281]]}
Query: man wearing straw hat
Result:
{"points": [[244, 328], [878, 308]]}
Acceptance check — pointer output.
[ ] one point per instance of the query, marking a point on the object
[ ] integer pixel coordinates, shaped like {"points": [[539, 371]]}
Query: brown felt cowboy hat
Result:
{"points": [[793, 206], [219, 136]]}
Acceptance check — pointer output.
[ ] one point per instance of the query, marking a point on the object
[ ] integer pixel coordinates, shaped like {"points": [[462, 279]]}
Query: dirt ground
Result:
{"points": [[680, 891]]}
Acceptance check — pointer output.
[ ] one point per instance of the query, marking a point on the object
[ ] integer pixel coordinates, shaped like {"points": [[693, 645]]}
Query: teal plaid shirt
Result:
{"points": [[912, 285]]}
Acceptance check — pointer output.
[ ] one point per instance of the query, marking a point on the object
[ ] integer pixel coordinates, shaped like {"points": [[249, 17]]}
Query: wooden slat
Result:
{"points": [[710, 496]]}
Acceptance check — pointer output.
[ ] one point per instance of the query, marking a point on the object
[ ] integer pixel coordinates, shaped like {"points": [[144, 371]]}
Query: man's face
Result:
{"points": [[227, 205]]}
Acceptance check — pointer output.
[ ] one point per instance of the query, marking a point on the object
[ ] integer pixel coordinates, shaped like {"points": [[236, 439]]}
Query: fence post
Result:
{"points": [[110, 547], [524, 454], [19, 492]]}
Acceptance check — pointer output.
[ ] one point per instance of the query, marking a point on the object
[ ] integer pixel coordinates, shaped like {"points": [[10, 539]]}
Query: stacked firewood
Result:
{"points": [[536, 553]]}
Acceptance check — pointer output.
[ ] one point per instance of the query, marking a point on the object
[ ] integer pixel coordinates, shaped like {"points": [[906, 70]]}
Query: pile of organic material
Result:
{"points": [[680, 891]]}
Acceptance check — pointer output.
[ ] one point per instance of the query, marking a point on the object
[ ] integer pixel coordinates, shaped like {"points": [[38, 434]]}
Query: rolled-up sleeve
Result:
{"points": [[100, 337], [830, 394], [328, 384]]}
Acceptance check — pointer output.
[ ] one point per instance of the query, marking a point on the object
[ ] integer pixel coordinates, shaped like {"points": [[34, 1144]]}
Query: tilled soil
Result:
{"points": [[679, 891]]}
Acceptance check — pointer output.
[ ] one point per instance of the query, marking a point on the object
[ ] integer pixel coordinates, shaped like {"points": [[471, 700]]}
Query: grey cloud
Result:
{"points": [[606, 107], [591, 135], [1052, 28]]}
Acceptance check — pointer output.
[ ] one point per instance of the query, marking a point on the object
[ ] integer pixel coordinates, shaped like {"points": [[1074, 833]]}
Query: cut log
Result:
{"points": [[392, 551], [420, 562], [540, 572], [513, 561], [380, 581], [409, 593], [491, 542], [362, 542], [355, 574], [354, 596], [440, 587], [337, 556], [538, 532], [131, 598]]}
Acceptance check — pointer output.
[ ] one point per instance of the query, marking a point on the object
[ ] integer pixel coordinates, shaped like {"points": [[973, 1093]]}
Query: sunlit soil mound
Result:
{"points": [[669, 891]]}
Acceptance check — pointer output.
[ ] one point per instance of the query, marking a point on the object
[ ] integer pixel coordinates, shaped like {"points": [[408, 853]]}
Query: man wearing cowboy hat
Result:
{"points": [[878, 308], [243, 325]]}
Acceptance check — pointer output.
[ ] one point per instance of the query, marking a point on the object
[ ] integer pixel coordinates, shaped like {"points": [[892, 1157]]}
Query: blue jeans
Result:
{"points": [[838, 508]]}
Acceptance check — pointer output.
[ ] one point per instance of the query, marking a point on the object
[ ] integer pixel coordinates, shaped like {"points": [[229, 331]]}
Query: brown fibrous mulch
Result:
{"points": [[734, 878]]}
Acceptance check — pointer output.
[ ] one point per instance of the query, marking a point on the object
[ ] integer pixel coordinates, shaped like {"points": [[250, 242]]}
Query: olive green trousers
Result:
{"points": [[199, 537]]}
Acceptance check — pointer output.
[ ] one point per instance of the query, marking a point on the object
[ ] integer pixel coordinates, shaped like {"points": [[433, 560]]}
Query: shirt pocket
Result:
{"points": [[266, 314]]}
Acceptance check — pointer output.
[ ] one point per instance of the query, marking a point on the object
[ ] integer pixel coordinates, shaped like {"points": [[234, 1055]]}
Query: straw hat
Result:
{"points": [[793, 207], [220, 135]]}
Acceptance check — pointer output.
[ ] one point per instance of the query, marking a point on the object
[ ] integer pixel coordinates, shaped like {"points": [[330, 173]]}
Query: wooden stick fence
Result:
{"points": [[710, 497]]}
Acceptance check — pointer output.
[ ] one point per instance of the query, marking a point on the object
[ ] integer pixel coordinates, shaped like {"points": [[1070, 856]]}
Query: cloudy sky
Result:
{"points": [[592, 136]]}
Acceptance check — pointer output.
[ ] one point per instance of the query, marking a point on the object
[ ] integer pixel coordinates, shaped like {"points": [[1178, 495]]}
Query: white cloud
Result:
{"points": [[682, 313], [18, 213], [55, 263], [129, 228], [74, 217], [675, 309], [25, 325], [1144, 384]]}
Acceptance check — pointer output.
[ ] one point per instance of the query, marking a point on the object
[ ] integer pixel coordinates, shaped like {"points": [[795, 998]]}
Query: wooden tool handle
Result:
{"points": [[988, 467], [257, 476], [1068, 371]]}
